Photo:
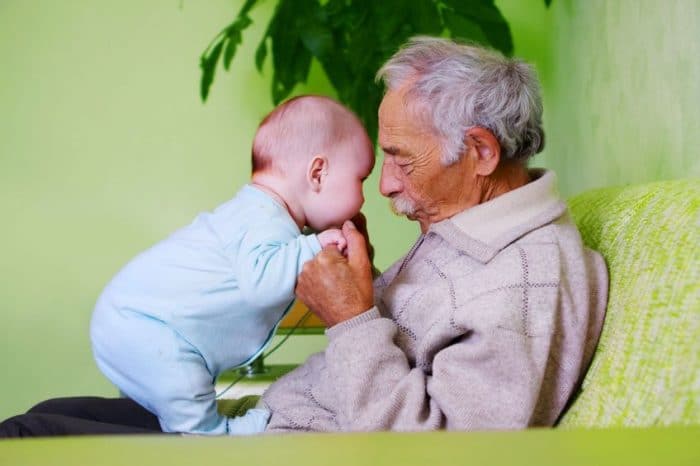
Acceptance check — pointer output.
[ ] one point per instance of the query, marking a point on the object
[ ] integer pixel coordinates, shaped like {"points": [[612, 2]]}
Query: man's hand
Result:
{"points": [[360, 222], [337, 288]]}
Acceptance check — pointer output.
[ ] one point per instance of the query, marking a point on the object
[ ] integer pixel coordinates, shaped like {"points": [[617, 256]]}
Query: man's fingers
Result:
{"points": [[330, 249], [357, 247], [360, 222]]}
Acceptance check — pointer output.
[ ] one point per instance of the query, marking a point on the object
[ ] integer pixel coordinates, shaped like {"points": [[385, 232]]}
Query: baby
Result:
{"points": [[209, 297]]}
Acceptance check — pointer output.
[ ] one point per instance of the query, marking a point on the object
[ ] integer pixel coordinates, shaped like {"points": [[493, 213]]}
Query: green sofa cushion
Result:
{"points": [[646, 370]]}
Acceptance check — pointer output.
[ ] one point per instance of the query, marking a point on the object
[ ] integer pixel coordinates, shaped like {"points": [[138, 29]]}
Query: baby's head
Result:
{"points": [[315, 154]]}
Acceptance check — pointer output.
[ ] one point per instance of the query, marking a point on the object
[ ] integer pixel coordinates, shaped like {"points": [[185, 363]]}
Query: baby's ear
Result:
{"points": [[316, 173]]}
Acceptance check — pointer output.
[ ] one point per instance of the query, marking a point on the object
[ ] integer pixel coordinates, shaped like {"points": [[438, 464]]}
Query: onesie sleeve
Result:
{"points": [[268, 259]]}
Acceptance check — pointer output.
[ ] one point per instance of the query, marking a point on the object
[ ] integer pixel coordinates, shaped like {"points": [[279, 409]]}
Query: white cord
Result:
{"points": [[289, 334]]}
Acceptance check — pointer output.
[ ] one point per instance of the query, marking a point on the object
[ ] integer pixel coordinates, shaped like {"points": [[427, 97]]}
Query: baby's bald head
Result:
{"points": [[301, 128]]}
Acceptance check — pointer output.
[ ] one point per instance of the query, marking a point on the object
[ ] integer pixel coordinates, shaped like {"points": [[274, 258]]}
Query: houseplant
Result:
{"points": [[351, 39]]}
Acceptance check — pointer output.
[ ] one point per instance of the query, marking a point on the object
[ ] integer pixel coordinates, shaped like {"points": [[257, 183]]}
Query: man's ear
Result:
{"points": [[484, 147], [316, 172]]}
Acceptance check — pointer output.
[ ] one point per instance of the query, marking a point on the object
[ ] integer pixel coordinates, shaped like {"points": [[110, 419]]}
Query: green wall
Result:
{"points": [[621, 87], [624, 94], [105, 147]]}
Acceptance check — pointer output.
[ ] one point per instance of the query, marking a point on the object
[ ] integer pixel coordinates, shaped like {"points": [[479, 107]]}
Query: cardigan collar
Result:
{"points": [[484, 230]]}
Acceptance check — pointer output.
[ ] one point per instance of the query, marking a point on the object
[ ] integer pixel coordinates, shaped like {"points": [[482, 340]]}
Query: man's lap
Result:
{"points": [[82, 416], [98, 416]]}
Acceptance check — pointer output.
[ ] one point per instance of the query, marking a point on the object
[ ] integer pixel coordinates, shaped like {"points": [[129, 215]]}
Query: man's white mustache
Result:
{"points": [[402, 206]]}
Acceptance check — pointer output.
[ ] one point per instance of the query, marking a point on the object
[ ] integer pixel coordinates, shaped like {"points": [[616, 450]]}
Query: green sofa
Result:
{"points": [[646, 370], [639, 403]]}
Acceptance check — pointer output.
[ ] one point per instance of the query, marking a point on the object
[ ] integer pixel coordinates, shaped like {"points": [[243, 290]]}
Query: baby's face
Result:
{"points": [[341, 197]]}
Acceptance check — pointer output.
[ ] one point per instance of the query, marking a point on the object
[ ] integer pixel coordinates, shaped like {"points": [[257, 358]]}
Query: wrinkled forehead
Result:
{"points": [[403, 121], [391, 107], [403, 103]]}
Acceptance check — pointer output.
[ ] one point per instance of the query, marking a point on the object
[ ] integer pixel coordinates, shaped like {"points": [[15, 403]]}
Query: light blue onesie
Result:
{"points": [[206, 299]]}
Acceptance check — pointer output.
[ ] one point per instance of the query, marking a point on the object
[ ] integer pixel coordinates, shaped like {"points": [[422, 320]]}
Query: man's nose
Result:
{"points": [[389, 183]]}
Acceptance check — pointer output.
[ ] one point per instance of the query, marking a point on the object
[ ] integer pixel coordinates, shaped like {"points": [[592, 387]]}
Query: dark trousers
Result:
{"points": [[82, 416]]}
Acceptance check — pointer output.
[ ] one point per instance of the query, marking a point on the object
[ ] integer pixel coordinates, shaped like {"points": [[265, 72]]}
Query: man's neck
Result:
{"points": [[505, 178]]}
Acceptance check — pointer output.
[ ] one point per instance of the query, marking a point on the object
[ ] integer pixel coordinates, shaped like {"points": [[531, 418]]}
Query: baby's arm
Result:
{"points": [[333, 236], [268, 260]]}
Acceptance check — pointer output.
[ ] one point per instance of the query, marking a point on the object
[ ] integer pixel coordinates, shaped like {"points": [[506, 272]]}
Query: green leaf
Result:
{"points": [[235, 37], [351, 39], [261, 54], [242, 22], [317, 39], [247, 6], [261, 51], [364, 98], [368, 39], [425, 17], [390, 17], [234, 40], [290, 57], [323, 35], [464, 28], [488, 17], [208, 65], [232, 36], [547, 3]]}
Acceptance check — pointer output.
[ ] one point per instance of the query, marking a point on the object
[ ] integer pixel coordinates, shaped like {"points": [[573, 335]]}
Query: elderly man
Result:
{"points": [[491, 319]]}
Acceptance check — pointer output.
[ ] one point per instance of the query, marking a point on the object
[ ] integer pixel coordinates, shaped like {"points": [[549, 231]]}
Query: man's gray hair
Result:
{"points": [[460, 86]]}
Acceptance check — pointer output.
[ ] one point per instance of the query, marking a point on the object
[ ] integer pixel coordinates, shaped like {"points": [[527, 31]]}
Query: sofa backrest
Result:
{"points": [[646, 370]]}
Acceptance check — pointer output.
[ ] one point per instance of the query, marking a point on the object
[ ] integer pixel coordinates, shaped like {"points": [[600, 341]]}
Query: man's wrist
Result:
{"points": [[360, 319]]}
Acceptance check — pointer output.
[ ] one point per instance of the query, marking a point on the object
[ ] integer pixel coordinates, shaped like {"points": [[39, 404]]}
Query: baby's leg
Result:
{"points": [[160, 370]]}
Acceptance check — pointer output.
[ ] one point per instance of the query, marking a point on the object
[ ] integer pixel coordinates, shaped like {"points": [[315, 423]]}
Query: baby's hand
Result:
{"points": [[332, 236]]}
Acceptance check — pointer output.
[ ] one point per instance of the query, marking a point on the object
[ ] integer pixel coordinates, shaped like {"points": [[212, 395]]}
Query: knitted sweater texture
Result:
{"points": [[489, 322]]}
